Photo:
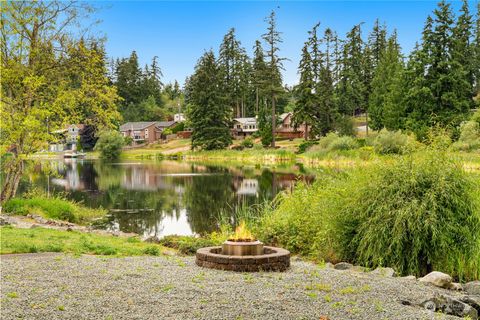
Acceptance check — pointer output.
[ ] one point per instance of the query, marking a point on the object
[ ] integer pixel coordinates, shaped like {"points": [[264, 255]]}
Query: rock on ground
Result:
{"points": [[438, 279], [58, 286]]}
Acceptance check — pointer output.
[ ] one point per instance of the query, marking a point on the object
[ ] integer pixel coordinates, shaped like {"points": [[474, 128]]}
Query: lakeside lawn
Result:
{"points": [[17, 240]]}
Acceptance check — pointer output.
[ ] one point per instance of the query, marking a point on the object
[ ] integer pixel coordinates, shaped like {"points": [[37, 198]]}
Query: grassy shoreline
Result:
{"points": [[18, 240]]}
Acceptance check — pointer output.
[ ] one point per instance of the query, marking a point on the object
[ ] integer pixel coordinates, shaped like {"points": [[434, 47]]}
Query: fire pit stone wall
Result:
{"points": [[273, 259]]}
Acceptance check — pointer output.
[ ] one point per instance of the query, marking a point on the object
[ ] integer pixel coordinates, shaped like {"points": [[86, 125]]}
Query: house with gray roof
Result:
{"points": [[145, 131]]}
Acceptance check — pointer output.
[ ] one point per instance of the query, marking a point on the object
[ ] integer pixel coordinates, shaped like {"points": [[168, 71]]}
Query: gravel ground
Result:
{"points": [[58, 286]]}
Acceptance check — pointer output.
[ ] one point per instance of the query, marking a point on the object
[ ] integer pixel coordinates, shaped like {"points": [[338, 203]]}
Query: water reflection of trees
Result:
{"points": [[141, 195]]}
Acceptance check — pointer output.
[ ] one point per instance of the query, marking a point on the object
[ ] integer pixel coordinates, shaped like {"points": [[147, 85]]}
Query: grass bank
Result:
{"points": [[16, 240], [53, 208]]}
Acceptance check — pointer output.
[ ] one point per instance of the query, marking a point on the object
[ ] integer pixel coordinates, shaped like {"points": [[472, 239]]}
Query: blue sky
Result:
{"points": [[179, 32]]}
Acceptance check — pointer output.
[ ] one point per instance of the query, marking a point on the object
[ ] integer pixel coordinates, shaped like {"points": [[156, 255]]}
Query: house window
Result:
{"points": [[239, 126], [137, 136], [146, 133]]}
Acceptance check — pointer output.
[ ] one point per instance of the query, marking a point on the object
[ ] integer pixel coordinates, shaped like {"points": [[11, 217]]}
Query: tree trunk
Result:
{"points": [[306, 132], [274, 121], [256, 101], [12, 179]]}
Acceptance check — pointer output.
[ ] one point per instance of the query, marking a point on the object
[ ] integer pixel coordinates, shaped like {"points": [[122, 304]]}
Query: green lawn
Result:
{"points": [[16, 240]]}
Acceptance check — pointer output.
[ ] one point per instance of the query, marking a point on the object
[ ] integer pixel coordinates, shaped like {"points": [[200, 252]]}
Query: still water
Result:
{"points": [[163, 198]]}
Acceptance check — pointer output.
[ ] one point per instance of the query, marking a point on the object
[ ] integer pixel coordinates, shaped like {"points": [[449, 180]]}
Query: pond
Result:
{"points": [[165, 197]]}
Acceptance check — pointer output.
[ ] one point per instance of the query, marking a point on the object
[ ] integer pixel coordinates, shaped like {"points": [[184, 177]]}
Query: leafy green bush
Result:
{"points": [[53, 208], [178, 127], [391, 142], [128, 141], [414, 215], [110, 145], [190, 244], [469, 137], [333, 142], [167, 131], [247, 143], [345, 126], [305, 145]]}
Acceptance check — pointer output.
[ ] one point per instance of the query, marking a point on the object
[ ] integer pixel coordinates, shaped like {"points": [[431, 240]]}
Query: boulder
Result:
{"points": [[4, 221], [438, 279], [384, 272], [329, 265], [409, 278], [343, 266], [472, 287], [473, 301], [449, 305]]}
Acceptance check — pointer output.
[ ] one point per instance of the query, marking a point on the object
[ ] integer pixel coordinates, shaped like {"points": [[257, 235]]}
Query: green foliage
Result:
{"points": [[333, 142], [190, 244], [110, 145], [469, 139], [178, 127], [53, 208], [247, 143], [413, 214], [128, 141], [167, 131], [391, 142], [208, 112], [16, 240], [42, 89], [305, 145], [345, 126]]}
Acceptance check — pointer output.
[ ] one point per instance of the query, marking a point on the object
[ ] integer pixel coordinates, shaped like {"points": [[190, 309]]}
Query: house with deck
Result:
{"points": [[145, 131], [244, 127]]}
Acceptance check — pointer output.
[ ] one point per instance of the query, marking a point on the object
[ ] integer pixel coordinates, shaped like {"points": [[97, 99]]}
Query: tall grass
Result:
{"points": [[415, 213], [53, 208]]}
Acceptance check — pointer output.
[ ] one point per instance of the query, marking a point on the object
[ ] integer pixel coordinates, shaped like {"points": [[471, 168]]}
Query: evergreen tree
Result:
{"points": [[350, 88], [208, 111], [259, 80], [439, 88], [305, 104], [273, 86], [384, 104]]}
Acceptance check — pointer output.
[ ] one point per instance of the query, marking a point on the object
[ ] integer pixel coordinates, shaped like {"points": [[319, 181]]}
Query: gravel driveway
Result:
{"points": [[58, 286]]}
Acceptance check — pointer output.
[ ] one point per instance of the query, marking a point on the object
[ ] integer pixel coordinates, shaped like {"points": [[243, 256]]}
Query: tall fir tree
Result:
{"points": [[273, 85], [208, 111], [305, 104], [384, 104]]}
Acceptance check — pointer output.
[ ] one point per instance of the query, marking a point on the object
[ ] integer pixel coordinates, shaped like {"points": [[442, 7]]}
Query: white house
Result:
{"points": [[244, 126]]}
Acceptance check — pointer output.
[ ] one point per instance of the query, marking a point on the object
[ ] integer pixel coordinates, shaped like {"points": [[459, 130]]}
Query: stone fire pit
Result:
{"points": [[243, 256]]}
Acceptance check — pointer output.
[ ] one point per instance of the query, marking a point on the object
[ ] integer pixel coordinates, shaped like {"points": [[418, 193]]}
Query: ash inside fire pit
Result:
{"points": [[243, 253]]}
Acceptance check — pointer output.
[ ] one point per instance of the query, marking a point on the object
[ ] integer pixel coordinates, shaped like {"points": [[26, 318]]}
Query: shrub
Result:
{"points": [[469, 137], [178, 127], [391, 142], [247, 143], [305, 145], [128, 141], [345, 126], [414, 215], [110, 145], [188, 244], [167, 131], [333, 142]]}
